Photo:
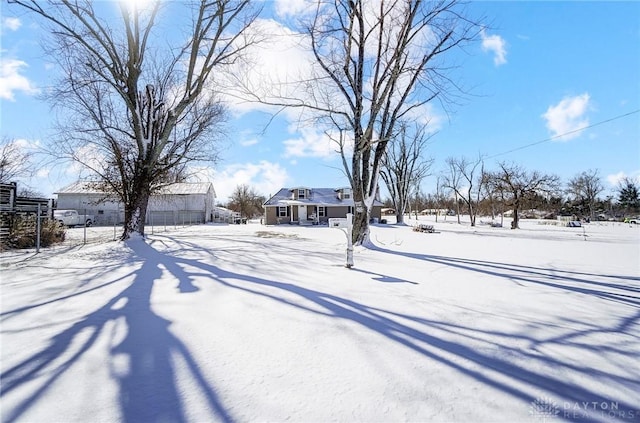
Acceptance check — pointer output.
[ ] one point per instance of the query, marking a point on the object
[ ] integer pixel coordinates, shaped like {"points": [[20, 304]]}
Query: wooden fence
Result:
{"points": [[20, 211]]}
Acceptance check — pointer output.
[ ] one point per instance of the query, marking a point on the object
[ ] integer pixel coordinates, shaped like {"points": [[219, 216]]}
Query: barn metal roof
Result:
{"points": [[184, 188], [187, 188]]}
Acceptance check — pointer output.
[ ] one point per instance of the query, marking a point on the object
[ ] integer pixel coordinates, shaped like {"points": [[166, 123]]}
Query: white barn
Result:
{"points": [[179, 203]]}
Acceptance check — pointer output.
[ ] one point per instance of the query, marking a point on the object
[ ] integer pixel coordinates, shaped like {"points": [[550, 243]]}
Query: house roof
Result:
{"points": [[318, 196], [83, 187]]}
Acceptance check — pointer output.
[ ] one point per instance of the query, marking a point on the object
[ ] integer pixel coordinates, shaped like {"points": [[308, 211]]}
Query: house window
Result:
{"points": [[346, 195], [301, 194], [350, 209], [282, 211], [321, 211]]}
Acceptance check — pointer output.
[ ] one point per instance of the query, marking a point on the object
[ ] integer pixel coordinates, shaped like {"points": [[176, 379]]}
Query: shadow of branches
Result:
{"points": [[147, 386], [519, 381], [148, 389]]}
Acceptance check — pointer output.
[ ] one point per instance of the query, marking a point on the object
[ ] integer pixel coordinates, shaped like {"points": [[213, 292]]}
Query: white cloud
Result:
{"points": [[566, 118], [616, 178], [12, 24], [86, 156], [497, 45], [311, 143], [31, 145], [268, 72], [427, 115], [249, 142], [265, 177], [11, 80], [293, 7], [43, 172], [275, 70]]}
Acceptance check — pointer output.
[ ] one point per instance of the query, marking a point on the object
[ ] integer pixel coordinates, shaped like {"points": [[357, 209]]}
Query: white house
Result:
{"points": [[180, 203]]}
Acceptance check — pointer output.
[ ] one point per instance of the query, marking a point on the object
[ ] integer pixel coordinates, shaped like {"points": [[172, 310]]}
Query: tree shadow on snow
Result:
{"points": [[143, 363], [490, 366], [619, 288], [148, 390], [376, 276]]}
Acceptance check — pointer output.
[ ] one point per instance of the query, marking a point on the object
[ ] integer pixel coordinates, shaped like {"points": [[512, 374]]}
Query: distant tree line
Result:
{"points": [[467, 187]]}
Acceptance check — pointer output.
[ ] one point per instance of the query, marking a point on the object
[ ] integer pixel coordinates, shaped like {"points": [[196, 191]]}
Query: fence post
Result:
{"points": [[38, 229]]}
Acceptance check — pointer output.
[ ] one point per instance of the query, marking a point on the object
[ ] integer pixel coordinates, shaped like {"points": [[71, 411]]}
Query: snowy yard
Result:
{"points": [[264, 323]]}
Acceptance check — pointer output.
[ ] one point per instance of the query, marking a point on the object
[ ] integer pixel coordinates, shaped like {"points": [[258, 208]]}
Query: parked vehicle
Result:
{"points": [[72, 218]]}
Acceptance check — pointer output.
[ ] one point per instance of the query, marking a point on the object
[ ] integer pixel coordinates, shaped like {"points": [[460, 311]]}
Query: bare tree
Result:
{"points": [[246, 201], [519, 185], [375, 64], [439, 196], [585, 188], [462, 178], [138, 109], [452, 183], [15, 161], [404, 166], [494, 193]]}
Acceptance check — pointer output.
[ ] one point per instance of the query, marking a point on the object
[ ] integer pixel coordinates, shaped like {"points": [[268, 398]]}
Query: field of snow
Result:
{"points": [[264, 323]]}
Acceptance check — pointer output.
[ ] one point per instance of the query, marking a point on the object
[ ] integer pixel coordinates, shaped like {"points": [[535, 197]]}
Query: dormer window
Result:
{"points": [[344, 193], [302, 194]]}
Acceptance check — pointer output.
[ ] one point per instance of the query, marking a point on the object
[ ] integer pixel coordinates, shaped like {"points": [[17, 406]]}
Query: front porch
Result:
{"points": [[297, 214]]}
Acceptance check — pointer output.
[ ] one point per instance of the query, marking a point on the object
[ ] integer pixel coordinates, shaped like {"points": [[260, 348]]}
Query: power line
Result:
{"points": [[564, 134]]}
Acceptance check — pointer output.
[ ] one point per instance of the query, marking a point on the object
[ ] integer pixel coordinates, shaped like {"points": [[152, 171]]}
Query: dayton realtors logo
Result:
{"points": [[544, 408]]}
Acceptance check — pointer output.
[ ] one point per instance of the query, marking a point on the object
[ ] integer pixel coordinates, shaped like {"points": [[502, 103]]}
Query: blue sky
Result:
{"points": [[540, 70]]}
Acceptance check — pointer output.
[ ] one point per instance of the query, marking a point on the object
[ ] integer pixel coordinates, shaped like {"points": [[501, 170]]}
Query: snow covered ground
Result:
{"points": [[264, 323]]}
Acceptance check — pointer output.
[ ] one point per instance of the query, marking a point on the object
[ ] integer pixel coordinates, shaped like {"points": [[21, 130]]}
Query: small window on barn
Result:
{"points": [[302, 194], [282, 211], [100, 211]]}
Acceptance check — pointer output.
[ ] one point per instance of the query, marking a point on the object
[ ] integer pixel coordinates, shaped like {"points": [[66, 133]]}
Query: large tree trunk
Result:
{"points": [[360, 234], [472, 215], [136, 211], [515, 223]]}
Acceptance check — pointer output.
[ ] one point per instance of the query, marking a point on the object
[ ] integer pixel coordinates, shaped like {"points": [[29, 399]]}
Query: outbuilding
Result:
{"points": [[179, 203]]}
